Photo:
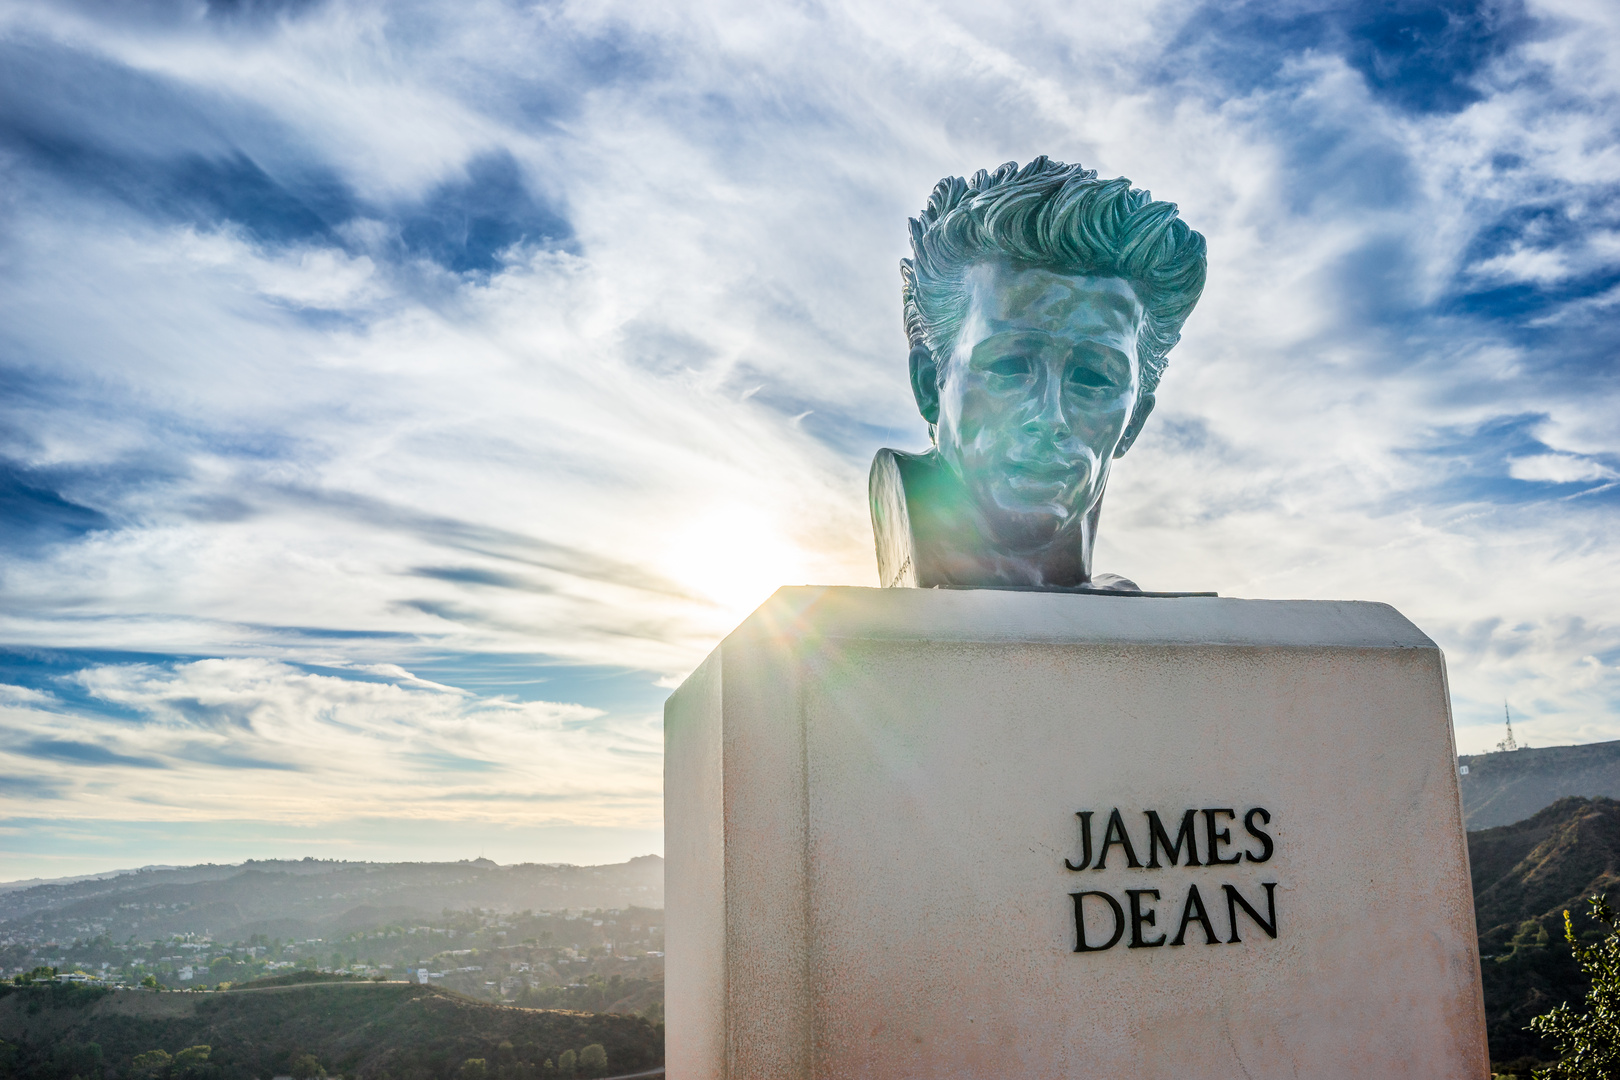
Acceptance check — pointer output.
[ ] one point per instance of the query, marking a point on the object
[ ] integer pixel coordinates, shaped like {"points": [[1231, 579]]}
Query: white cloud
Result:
{"points": [[263, 741], [1559, 469], [22, 695], [317, 277]]}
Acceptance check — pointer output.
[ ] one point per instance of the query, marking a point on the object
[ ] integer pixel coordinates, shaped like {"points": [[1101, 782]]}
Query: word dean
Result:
{"points": [[1219, 849]]}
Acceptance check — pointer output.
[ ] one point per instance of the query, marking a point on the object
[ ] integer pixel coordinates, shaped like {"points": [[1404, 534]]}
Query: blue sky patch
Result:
{"points": [[33, 515], [466, 224], [83, 753], [1416, 55]]}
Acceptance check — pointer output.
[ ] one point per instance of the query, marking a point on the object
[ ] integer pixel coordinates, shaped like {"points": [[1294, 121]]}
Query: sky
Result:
{"points": [[398, 399]]}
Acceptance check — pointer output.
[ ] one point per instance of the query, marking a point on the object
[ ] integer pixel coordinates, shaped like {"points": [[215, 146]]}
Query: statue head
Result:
{"points": [[1040, 304]]}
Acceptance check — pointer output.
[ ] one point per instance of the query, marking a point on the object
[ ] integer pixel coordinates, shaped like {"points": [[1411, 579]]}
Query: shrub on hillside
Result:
{"points": [[151, 1063], [592, 1061], [305, 1067], [1588, 1041]]}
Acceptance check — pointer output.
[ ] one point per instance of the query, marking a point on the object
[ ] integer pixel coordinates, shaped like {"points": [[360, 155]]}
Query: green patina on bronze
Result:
{"points": [[1040, 305]]}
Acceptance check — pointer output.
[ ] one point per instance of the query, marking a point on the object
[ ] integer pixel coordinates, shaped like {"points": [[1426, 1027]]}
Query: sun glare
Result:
{"points": [[734, 556]]}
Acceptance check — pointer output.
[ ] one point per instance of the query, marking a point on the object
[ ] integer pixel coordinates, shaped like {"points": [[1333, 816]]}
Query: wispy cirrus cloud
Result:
{"points": [[482, 339], [269, 741]]}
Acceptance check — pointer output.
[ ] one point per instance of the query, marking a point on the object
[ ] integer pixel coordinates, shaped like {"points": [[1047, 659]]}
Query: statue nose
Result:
{"points": [[1049, 417]]}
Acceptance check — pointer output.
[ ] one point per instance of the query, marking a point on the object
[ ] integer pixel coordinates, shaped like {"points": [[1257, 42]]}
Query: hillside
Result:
{"points": [[362, 1030], [445, 922], [1502, 788], [1525, 876], [310, 898]]}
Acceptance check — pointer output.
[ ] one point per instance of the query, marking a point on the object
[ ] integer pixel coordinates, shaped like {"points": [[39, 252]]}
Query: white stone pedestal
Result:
{"points": [[872, 799]]}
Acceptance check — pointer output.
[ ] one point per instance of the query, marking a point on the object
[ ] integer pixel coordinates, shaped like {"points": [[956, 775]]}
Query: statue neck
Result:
{"points": [[930, 534]]}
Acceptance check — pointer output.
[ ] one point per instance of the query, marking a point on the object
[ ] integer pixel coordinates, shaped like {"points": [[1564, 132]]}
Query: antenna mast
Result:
{"points": [[1507, 743]]}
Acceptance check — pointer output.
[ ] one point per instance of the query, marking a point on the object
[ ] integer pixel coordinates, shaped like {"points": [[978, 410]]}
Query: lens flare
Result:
{"points": [[735, 557]]}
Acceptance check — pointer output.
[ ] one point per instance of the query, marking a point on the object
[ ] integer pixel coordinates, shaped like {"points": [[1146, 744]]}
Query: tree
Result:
{"points": [[1588, 1041], [305, 1067], [150, 1063], [565, 1063], [593, 1060], [191, 1060], [150, 982], [81, 1060], [473, 1069]]}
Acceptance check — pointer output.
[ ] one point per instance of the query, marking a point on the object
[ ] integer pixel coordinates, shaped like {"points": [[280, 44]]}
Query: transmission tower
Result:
{"points": [[1507, 743]]}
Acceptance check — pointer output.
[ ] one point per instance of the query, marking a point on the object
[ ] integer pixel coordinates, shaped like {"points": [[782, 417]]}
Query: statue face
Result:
{"points": [[1040, 394]]}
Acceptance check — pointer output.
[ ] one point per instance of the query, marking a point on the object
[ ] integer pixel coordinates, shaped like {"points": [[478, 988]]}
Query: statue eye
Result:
{"points": [[1088, 379], [1010, 367]]}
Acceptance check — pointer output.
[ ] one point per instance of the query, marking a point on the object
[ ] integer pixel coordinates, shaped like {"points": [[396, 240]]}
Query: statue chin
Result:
{"points": [[1025, 528], [932, 533]]}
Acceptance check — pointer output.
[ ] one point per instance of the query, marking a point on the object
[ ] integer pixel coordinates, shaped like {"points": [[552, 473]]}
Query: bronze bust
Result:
{"points": [[1040, 304]]}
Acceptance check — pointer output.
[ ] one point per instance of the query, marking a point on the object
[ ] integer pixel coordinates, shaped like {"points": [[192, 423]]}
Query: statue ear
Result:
{"points": [[925, 382], [1144, 406]]}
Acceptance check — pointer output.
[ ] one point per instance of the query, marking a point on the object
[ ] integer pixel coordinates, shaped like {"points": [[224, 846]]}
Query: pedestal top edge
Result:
{"points": [[994, 615]]}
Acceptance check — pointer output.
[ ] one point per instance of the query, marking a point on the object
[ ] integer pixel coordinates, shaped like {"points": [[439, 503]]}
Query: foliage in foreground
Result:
{"points": [[356, 1030], [1588, 1041]]}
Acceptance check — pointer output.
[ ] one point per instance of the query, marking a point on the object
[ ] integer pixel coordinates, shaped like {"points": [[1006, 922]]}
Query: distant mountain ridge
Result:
{"points": [[310, 897], [1505, 787], [29, 883]]}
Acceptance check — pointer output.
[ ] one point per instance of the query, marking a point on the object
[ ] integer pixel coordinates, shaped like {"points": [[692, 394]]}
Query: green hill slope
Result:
{"points": [[361, 1030], [1525, 876]]}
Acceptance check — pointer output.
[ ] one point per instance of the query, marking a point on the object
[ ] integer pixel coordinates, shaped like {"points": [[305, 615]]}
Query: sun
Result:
{"points": [[735, 556]]}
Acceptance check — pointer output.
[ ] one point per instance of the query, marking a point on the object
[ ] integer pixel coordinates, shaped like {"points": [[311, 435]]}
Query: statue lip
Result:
{"points": [[1049, 470], [1045, 497]]}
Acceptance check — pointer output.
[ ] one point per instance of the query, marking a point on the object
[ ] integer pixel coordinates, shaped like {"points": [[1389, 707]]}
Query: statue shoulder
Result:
{"points": [[906, 470], [894, 472]]}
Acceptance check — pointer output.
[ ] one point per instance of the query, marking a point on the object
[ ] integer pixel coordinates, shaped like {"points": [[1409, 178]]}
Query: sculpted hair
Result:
{"points": [[1062, 218]]}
